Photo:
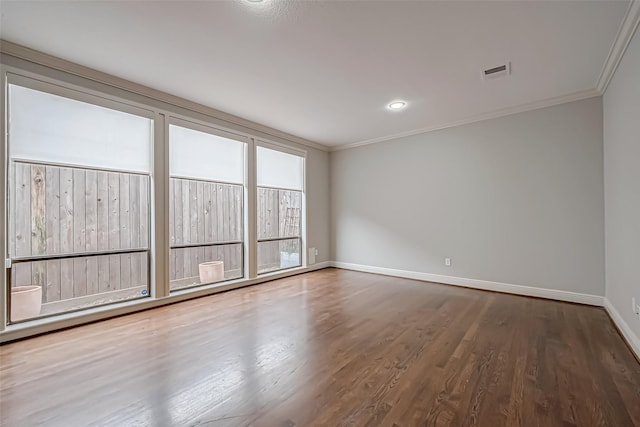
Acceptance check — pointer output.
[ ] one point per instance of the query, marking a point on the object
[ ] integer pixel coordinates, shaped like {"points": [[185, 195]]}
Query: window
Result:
{"points": [[206, 200], [79, 191], [84, 228], [280, 179]]}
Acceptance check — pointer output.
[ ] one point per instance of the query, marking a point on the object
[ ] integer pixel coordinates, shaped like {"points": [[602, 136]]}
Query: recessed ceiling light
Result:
{"points": [[397, 105]]}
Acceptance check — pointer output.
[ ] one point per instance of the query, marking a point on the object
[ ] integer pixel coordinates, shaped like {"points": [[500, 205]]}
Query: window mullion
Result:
{"points": [[252, 211], [160, 208]]}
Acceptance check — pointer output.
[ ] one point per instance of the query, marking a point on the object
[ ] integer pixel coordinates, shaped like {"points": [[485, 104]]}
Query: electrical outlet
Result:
{"points": [[316, 252], [447, 262]]}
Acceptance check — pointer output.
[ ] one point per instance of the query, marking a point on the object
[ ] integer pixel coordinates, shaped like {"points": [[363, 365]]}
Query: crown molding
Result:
{"points": [[50, 61], [549, 102], [623, 38]]}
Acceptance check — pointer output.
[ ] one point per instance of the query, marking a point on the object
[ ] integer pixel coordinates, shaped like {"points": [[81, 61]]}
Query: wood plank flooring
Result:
{"points": [[330, 348]]}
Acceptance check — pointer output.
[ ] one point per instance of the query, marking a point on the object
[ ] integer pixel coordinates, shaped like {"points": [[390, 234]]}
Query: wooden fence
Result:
{"points": [[63, 210], [204, 213], [278, 216]]}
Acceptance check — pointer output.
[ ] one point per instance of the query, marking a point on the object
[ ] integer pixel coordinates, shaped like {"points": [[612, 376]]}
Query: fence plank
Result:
{"points": [[226, 209], [172, 264], [134, 212], [208, 253], [114, 272], [186, 226], [79, 277], [136, 269], [66, 278], [260, 214], [186, 218], [144, 269], [193, 261], [79, 206], [21, 274], [53, 280], [144, 212], [125, 226], [200, 258], [104, 282], [66, 210], [177, 211], [52, 200], [220, 212], [12, 206], [283, 204], [93, 280], [214, 212], [22, 210], [102, 207], [38, 227], [172, 214], [207, 217], [200, 212], [221, 222], [91, 211], [193, 211], [179, 263], [114, 211], [125, 271]]}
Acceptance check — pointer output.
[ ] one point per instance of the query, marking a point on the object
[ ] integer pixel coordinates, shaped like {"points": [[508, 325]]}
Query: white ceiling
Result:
{"points": [[325, 70]]}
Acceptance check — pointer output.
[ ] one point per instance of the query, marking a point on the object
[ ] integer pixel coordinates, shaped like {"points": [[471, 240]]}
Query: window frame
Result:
{"points": [[271, 145], [208, 128], [85, 85], [53, 87]]}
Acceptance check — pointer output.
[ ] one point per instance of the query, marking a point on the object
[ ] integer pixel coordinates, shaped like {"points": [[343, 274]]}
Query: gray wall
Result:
{"points": [[317, 192], [622, 185], [518, 199]]}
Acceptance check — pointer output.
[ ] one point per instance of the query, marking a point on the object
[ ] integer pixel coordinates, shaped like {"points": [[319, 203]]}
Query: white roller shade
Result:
{"points": [[54, 129], [279, 170], [200, 155]]}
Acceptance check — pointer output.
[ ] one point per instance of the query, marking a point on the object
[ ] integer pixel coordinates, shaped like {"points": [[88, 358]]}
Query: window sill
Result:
{"points": [[49, 324]]}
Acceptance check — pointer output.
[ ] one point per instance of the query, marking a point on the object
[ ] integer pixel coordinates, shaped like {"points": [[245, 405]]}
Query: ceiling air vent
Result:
{"points": [[497, 72]]}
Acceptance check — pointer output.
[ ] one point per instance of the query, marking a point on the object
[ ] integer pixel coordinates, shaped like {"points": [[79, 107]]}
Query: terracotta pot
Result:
{"points": [[211, 271], [26, 302]]}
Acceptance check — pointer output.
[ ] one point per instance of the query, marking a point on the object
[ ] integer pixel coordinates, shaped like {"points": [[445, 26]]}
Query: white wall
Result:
{"points": [[517, 200], [622, 186]]}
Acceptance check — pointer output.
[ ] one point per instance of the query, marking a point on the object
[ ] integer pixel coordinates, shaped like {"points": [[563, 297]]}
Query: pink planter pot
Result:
{"points": [[26, 302], [211, 272]]}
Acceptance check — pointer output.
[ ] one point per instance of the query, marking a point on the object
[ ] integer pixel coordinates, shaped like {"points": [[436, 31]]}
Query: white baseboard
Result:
{"points": [[320, 265], [531, 291], [632, 339]]}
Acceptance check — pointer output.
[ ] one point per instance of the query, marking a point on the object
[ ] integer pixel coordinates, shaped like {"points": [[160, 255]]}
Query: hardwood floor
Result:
{"points": [[329, 348]]}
